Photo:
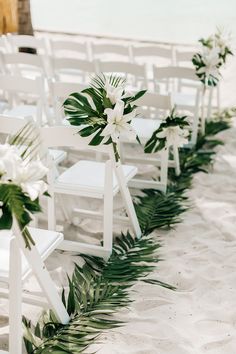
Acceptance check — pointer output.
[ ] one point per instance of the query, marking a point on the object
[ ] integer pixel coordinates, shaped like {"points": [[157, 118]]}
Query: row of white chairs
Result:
{"points": [[131, 52]]}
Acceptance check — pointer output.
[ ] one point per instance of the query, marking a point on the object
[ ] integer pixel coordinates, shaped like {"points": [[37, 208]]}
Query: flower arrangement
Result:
{"points": [[104, 111], [21, 183], [172, 132], [215, 50]]}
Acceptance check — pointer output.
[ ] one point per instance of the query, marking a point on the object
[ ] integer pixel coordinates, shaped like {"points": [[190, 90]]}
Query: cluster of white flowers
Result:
{"points": [[26, 174], [175, 136], [118, 123], [211, 60]]}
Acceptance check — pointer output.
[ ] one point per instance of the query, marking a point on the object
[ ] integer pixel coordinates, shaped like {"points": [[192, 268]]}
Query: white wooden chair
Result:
{"points": [[140, 53], [11, 125], [59, 92], [69, 49], [72, 69], [153, 108], [90, 179], [190, 101], [135, 74], [26, 97], [17, 263], [25, 41], [110, 52], [184, 58], [4, 45], [25, 64]]}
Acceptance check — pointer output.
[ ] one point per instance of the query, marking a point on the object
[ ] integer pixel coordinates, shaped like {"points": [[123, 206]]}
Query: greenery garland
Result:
{"points": [[99, 289]]}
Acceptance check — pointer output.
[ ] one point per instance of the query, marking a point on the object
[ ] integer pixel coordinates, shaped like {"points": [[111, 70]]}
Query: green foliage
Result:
{"points": [[156, 143], [199, 63]]}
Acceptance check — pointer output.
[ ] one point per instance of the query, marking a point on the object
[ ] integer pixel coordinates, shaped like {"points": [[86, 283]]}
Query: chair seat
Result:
{"points": [[145, 127], [46, 242], [86, 178], [183, 99]]}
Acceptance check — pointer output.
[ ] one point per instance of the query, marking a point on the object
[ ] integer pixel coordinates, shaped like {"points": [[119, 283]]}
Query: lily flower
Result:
{"points": [[175, 136], [119, 124], [115, 94]]}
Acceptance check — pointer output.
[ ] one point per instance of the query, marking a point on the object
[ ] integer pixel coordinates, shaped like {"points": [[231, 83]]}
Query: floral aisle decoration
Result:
{"points": [[172, 132], [104, 111], [215, 51], [21, 184]]}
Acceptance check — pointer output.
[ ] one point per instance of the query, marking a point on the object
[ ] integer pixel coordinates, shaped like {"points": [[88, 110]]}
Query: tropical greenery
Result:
{"points": [[215, 51], [172, 131], [20, 180], [98, 289], [103, 111]]}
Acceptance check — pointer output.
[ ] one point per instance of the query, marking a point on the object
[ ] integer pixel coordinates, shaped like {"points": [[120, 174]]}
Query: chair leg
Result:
{"points": [[164, 166], [218, 96], [176, 160], [15, 299], [45, 281], [108, 208], [129, 206], [51, 212], [209, 105]]}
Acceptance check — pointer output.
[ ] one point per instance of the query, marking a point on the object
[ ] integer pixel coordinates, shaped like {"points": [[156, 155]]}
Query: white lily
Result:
{"points": [[27, 175], [118, 123], [175, 136], [211, 60], [30, 176], [9, 162], [114, 94]]}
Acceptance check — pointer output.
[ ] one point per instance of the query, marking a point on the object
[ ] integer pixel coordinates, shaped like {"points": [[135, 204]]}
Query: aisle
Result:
{"points": [[199, 259]]}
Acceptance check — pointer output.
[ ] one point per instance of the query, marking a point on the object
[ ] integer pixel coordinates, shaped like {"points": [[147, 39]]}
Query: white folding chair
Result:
{"points": [[72, 69], [184, 58], [135, 74], [140, 53], [59, 92], [24, 41], [190, 101], [11, 125], [110, 52], [16, 264], [26, 97], [90, 179], [69, 49], [25, 64], [153, 108]]}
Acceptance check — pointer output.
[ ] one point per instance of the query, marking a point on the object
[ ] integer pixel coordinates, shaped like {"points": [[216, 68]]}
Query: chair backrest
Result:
{"points": [[59, 92], [134, 73], [21, 89], [67, 136], [170, 75], [153, 105], [69, 49], [25, 64], [184, 58], [154, 52], [10, 125], [25, 41], [70, 69], [4, 46], [110, 51]]}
